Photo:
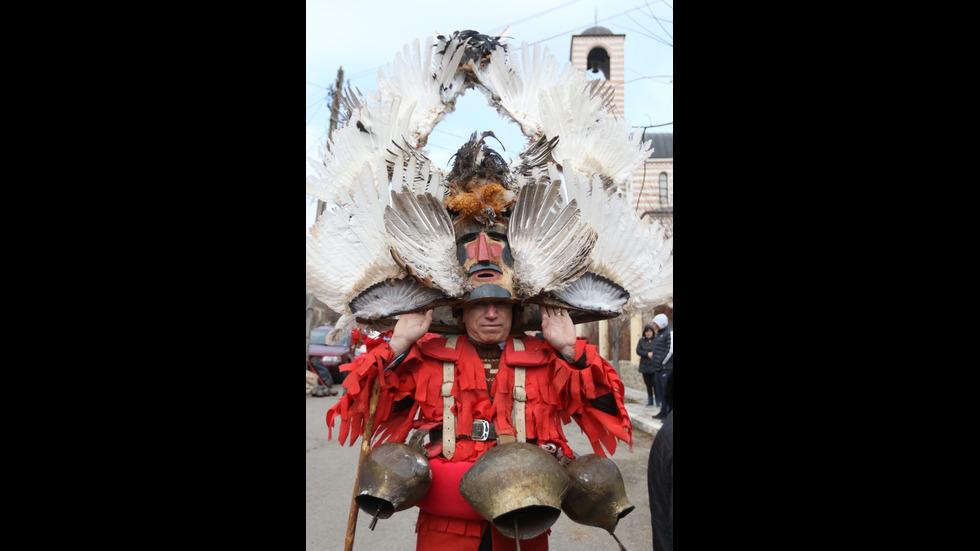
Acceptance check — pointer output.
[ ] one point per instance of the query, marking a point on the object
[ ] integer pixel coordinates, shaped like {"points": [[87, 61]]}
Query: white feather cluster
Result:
{"points": [[550, 244], [630, 252], [347, 248], [591, 292], [548, 99], [421, 76], [578, 240], [399, 295], [421, 234]]}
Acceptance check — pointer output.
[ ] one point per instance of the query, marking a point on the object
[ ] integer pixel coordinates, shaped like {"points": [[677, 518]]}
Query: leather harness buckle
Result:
{"points": [[481, 430]]}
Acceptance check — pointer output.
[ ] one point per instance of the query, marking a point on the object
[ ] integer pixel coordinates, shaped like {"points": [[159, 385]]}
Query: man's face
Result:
{"points": [[488, 322]]}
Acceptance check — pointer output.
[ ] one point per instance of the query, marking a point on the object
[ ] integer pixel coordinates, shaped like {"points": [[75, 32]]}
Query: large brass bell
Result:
{"points": [[518, 487], [393, 477], [597, 495]]}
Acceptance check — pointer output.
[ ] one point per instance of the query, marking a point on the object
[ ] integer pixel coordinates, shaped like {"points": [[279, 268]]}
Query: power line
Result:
{"points": [[655, 18], [317, 142], [530, 17], [501, 28], [314, 114], [439, 130], [545, 12], [577, 28], [652, 77], [651, 36]]}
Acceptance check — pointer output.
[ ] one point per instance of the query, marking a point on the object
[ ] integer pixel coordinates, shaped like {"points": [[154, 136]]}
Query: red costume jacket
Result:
{"points": [[557, 393]]}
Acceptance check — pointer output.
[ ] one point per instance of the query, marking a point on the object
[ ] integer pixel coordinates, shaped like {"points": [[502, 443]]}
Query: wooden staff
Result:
{"points": [[365, 448]]}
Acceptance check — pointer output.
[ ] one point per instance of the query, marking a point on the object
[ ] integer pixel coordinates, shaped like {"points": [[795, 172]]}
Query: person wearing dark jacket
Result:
{"points": [[644, 348], [660, 478], [663, 360]]}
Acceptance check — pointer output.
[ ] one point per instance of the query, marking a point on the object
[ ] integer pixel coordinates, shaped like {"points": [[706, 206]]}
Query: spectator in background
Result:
{"points": [[663, 360], [326, 380], [644, 348], [660, 477]]}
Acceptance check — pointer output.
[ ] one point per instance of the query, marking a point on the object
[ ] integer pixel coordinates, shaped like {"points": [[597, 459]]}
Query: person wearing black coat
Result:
{"points": [[644, 348], [660, 478], [663, 359]]}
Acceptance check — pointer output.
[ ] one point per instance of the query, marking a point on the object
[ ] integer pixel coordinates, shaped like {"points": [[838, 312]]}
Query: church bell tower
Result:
{"points": [[600, 53]]}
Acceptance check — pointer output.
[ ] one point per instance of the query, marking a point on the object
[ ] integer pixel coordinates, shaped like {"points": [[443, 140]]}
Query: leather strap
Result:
{"points": [[448, 419], [520, 396]]}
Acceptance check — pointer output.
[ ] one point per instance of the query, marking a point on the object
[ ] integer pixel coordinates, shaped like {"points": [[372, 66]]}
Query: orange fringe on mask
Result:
{"points": [[492, 196]]}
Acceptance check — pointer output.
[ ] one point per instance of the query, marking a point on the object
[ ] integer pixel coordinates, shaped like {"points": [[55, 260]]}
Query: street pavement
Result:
{"points": [[330, 471]]}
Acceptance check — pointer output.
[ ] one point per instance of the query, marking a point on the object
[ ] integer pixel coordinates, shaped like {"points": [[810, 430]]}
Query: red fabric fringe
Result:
{"points": [[557, 394]]}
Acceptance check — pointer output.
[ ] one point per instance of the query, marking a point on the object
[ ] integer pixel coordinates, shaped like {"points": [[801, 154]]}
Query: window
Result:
{"points": [[663, 189], [597, 64]]}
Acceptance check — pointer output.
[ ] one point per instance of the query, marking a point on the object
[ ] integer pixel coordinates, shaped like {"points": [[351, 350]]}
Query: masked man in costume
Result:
{"points": [[469, 264], [563, 377]]}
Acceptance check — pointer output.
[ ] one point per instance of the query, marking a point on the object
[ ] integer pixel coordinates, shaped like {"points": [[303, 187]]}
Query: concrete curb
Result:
{"points": [[640, 415]]}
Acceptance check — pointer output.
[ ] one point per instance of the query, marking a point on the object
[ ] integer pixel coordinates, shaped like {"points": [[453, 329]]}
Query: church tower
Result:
{"points": [[600, 53]]}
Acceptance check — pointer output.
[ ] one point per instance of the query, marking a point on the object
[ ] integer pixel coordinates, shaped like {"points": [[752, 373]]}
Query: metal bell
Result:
{"points": [[518, 487], [597, 495], [393, 477]]}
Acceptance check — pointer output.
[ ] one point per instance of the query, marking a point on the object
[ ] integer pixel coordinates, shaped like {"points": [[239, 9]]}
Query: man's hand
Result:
{"points": [[559, 330], [410, 328]]}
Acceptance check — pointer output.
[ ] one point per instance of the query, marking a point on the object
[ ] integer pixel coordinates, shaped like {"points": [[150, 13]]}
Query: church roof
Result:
{"points": [[663, 144], [597, 30]]}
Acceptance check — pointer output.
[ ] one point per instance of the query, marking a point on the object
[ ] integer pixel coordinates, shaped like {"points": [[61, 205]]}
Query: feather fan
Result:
{"points": [[550, 244], [386, 245], [636, 264], [393, 297], [412, 172], [547, 99], [423, 241], [430, 83], [346, 249]]}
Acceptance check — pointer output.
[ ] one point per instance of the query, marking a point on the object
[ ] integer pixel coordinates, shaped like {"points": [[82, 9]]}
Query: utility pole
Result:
{"points": [[320, 205], [334, 114]]}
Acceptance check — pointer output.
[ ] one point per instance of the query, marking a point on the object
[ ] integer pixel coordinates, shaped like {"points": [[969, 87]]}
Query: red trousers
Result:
{"points": [[436, 533]]}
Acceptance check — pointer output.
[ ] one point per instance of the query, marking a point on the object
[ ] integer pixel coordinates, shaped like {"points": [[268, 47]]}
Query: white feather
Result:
{"points": [[421, 233], [417, 75], [393, 297], [630, 252], [412, 172], [514, 87], [550, 244], [595, 293], [452, 82], [347, 249], [420, 88], [353, 150], [341, 329], [548, 99]]}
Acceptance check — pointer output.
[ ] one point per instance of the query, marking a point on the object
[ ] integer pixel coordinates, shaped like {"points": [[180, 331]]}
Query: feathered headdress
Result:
{"points": [[399, 235]]}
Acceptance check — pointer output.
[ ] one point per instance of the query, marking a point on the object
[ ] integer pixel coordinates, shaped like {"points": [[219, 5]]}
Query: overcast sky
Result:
{"points": [[365, 35]]}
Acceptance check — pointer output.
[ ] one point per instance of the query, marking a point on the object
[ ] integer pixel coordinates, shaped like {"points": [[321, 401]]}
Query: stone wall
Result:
{"points": [[630, 374]]}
